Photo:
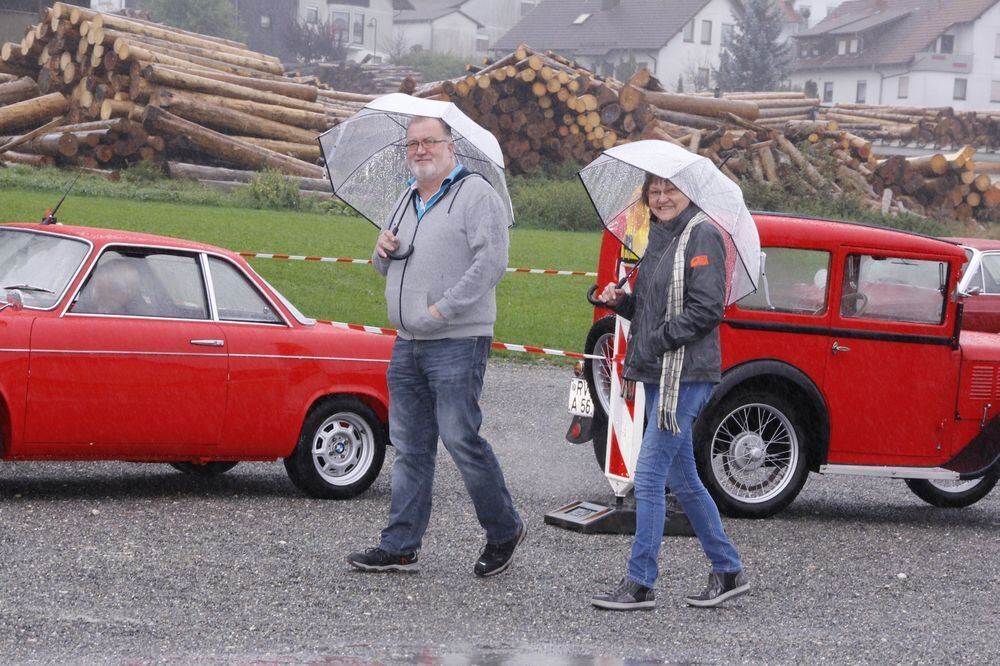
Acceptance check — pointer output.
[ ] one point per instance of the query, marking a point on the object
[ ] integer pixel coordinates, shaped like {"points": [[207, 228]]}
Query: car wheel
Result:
{"points": [[600, 341], [751, 455], [952, 494], [340, 451], [214, 468]]}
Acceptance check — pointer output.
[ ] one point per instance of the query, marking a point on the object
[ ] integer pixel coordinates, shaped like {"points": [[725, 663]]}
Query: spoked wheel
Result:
{"points": [[214, 468], [751, 455], [340, 451], [600, 341], [952, 494]]}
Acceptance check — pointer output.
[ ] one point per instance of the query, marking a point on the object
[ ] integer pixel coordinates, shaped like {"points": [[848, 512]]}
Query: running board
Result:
{"points": [[891, 472]]}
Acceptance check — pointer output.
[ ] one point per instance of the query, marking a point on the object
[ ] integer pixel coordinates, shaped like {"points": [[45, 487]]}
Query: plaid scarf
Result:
{"points": [[673, 360]]}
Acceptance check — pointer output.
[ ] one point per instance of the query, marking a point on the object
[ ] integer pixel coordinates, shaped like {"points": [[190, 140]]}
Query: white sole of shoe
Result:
{"points": [[617, 605], [722, 598], [392, 568], [520, 540]]}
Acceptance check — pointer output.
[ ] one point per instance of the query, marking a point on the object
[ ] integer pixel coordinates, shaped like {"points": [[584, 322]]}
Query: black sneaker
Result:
{"points": [[721, 587], [496, 558], [376, 559], [629, 595]]}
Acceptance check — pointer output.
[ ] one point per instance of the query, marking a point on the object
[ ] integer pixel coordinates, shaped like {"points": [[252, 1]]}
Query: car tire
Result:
{"points": [[734, 445], [951, 494], [340, 450], [214, 468], [600, 340]]}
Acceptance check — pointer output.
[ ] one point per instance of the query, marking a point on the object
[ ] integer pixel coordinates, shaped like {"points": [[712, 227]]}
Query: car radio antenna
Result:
{"points": [[50, 215]]}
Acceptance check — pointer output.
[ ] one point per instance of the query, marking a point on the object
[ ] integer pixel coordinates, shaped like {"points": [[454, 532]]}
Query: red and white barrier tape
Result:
{"points": [[344, 260], [528, 349]]}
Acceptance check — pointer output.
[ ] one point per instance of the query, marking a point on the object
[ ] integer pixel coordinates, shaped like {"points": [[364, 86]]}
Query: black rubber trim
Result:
{"points": [[804, 329]]}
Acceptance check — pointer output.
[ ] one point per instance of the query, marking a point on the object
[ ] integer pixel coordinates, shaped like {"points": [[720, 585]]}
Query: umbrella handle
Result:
{"points": [[594, 288], [399, 256]]}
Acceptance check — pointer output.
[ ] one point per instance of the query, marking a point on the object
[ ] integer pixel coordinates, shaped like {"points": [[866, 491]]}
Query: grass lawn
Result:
{"points": [[548, 311]]}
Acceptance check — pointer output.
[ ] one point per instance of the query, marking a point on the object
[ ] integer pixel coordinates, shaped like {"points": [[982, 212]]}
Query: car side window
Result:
{"points": [[894, 288], [238, 299], [791, 280], [144, 284], [991, 273]]}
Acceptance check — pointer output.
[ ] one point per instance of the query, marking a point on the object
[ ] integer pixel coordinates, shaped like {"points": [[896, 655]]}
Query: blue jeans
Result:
{"points": [[667, 461], [434, 388]]}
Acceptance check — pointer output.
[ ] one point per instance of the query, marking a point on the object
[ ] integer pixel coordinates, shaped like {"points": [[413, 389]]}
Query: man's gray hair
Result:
{"points": [[444, 125]]}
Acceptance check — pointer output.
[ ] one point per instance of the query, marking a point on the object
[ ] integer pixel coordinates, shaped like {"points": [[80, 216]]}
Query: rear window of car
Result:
{"points": [[791, 280]]}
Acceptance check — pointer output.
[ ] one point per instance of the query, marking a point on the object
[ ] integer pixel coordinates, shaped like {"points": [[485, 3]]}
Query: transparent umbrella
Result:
{"points": [[366, 156], [614, 182]]}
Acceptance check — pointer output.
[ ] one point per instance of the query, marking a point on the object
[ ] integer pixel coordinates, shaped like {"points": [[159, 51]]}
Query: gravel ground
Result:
{"points": [[124, 563]]}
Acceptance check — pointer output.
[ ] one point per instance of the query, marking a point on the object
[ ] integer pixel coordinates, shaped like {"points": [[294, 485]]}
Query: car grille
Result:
{"points": [[984, 382]]}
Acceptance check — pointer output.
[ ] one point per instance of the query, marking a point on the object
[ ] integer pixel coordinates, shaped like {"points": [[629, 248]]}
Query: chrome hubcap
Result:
{"points": [[343, 448], [754, 453]]}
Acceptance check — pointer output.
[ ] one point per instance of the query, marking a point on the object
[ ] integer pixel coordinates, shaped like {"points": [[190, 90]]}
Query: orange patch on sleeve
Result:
{"points": [[700, 260]]}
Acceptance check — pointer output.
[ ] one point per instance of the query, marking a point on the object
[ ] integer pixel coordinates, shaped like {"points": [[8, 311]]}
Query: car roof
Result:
{"points": [[982, 244], [100, 236], [778, 226]]}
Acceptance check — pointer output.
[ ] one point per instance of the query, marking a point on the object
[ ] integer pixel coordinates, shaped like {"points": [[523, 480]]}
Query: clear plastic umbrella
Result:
{"points": [[614, 182], [366, 156]]}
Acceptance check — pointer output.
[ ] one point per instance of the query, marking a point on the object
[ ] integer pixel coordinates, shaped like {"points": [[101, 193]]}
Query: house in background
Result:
{"points": [[266, 25], [894, 52], [460, 27], [365, 26], [17, 15], [678, 41]]}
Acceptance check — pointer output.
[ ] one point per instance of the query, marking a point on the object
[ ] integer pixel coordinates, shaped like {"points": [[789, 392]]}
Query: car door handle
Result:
{"points": [[208, 343], [837, 347]]}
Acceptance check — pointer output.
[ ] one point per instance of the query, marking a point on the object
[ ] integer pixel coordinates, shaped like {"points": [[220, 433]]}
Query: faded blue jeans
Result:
{"points": [[667, 461], [434, 388]]}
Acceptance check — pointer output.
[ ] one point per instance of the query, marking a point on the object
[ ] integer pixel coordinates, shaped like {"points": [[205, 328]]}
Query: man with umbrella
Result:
{"points": [[442, 251]]}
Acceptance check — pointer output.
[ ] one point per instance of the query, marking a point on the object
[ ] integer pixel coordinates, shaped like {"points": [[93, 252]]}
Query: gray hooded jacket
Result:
{"points": [[697, 327]]}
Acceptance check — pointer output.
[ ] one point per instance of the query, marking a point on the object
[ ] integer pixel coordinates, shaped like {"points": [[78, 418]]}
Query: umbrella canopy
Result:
{"points": [[366, 154], [614, 182]]}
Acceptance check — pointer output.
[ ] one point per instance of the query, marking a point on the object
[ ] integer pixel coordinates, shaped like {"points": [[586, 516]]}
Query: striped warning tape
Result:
{"points": [[527, 349], [344, 260]]}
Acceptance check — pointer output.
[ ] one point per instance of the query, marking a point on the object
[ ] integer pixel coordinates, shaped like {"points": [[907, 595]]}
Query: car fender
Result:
{"points": [[768, 373], [377, 401]]}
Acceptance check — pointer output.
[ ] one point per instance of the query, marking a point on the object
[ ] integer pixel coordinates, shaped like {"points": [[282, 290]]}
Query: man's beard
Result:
{"points": [[424, 170]]}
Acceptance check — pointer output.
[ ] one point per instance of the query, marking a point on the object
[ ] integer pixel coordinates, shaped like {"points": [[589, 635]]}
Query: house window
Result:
{"points": [[482, 42], [702, 81], [689, 31], [947, 44], [828, 91], [996, 48], [728, 31], [340, 23], [854, 46], [904, 87], [995, 92], [862, 92], [312, 15], [706, 32], [841, 47], [265, 21], [581, 18], [960, 86], [358, 31]]}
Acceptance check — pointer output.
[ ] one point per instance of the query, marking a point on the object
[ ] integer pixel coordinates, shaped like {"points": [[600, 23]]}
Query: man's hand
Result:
{"points": [[386, 243], [612, 294], [435, 312]]}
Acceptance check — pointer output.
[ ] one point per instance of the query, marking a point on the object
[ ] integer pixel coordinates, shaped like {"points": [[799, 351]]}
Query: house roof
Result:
{"points": [[421, 11], [787, 11], [902, 28], [631, 24]]}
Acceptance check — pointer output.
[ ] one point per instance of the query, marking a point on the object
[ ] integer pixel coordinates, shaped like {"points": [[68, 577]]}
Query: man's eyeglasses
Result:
{"points": [[426, 144]]}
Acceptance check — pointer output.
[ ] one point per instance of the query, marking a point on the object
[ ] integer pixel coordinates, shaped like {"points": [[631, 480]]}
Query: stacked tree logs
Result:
{"points": [[366, 78], [941, 126]]}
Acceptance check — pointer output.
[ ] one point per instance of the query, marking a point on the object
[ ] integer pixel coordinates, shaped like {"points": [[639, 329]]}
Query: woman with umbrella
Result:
{"points": [[678, 301]]}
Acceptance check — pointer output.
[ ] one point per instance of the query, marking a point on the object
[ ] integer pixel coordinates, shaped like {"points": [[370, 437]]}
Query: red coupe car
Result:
{"points": [[126, 346]]}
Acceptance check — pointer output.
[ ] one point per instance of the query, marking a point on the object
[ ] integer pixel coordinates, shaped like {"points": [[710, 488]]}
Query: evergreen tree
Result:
{"points": [[209, 17], [753, 59]]}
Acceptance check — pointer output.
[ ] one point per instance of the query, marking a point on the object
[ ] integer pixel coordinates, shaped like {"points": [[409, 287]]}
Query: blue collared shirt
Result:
{"points": [[445, 184]]}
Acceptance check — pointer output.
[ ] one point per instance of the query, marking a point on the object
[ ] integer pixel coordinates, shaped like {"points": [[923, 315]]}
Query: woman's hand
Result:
{"points": [[612, 294]]}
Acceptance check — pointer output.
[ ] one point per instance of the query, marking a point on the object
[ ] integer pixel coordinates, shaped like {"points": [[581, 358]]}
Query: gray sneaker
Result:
{"points": [[721, 587], [628, 595]]}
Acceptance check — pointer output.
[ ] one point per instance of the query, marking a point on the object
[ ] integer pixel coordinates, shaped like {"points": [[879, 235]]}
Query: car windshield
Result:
{"points": [[39, 265]]}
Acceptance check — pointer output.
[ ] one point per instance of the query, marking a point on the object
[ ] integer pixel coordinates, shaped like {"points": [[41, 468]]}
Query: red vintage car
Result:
{"points": [[127, 346], [981, 284], [850, 358]]}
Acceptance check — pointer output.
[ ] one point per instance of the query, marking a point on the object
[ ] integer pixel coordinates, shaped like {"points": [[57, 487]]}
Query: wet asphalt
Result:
{"points": [[127, 563]]}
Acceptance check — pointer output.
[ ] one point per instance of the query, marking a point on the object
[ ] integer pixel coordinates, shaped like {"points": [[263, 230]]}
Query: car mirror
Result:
{"points": [[974, 291], [13, 301]]}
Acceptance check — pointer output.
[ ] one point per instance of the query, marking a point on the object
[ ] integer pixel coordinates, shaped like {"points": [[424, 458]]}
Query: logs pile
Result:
{"points": [[941, 126], [367, 78], [195, 97]]}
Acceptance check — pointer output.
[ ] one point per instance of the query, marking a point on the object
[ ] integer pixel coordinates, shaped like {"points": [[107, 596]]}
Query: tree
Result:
{"points": [[318, 41], [209, 17], [754, 60]]}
